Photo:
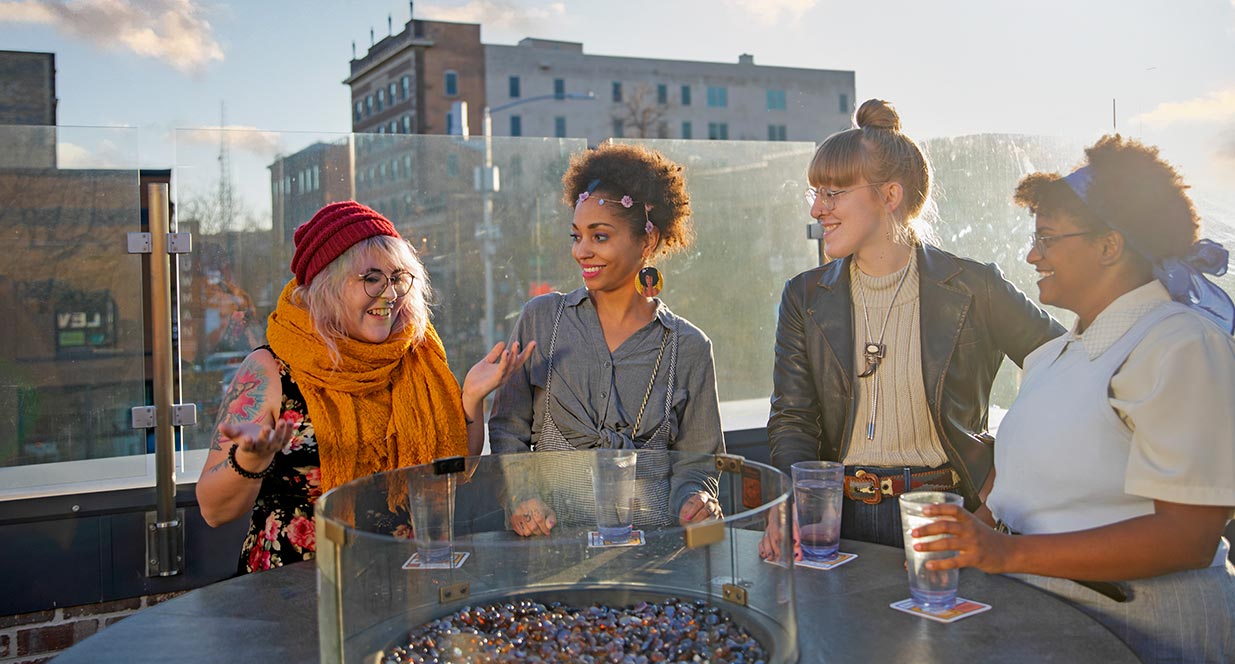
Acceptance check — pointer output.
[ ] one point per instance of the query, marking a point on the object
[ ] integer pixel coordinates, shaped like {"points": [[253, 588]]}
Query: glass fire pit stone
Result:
{"points": [[373, 594]]}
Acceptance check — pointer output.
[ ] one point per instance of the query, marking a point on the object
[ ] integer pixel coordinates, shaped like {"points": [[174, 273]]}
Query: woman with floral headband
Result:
{"points": [[1116, 462], [616, 369], [353, 382]]}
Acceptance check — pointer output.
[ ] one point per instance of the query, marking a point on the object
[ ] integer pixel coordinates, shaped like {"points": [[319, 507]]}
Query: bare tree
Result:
{"points": [[642, 113]]}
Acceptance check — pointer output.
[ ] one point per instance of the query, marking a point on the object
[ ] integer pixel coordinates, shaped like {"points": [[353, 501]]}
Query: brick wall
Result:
{"points": [[33, 638]]}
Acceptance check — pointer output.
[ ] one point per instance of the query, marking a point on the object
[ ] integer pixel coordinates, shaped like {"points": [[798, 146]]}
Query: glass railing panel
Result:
{"points": [[73, 362]]}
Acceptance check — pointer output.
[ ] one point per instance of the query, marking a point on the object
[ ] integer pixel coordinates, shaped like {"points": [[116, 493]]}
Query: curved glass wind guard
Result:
{"points": [[372, 591]]}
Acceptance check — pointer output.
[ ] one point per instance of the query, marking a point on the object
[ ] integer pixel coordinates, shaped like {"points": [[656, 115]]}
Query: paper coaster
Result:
{"points": [[456, 561], [963, 609], [595, 541], [839, 559]]}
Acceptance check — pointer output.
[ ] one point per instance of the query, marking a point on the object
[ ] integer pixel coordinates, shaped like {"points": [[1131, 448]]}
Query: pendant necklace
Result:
{"points": [[874, 351]]}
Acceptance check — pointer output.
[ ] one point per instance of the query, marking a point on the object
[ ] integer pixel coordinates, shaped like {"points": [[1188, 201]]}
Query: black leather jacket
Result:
{"points": [[971, 318]]}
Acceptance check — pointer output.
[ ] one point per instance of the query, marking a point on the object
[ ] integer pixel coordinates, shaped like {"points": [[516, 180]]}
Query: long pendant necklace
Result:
{"points": [[874, 351]]}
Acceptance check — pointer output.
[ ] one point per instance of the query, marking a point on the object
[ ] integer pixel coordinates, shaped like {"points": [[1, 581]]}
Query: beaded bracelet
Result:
{"points": [[231, 461]]}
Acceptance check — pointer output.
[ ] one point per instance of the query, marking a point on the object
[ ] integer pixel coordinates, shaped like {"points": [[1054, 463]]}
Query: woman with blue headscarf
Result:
{"points": [[1116, 464]]}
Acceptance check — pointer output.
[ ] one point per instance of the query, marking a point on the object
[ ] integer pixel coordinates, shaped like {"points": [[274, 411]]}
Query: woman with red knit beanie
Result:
{"points": [[353, 382]]}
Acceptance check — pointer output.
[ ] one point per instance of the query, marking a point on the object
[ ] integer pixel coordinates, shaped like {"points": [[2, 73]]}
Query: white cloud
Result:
{"points": [[498, 14], [1215, 107], [264, 144], [103, 154], [770, 12], [173, 31]]}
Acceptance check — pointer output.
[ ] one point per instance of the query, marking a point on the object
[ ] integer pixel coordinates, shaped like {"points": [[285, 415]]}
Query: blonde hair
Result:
{"points": [[875, 150], [324, 296]]}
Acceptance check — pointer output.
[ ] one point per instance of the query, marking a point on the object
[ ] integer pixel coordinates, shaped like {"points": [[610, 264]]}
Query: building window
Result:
{"points": [[559, 88], [368, 105], [381, 172], [317, 178], [718, 97], [844, 103], [392, 90], [450, 123], [776, 100], [359, 109], [514, 87], [452, 83], [686, 95], [516, 125], [559, 126], [718, 131], [618, 127], [686, 130], [452, 165], [777, 133], [662, 94], [381, 100], [617, 91], [406, 90], [394, 127], [407, 164], [407, 124], [394, 169]]}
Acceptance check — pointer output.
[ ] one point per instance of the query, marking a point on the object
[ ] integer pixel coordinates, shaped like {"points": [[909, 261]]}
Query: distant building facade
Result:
{"points": [[408, 83], [28, 97]]}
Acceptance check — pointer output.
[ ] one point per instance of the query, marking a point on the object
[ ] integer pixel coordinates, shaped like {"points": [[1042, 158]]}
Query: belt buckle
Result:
{"points": [[876, 489]]}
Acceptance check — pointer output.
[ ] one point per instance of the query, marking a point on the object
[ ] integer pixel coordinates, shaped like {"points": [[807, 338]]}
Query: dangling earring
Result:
{"points": [[649, 282]]}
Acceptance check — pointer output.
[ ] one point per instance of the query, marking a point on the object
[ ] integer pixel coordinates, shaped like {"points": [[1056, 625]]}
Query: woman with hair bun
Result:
{"points": [[885, 356], [615, 368], [1116, 462]]}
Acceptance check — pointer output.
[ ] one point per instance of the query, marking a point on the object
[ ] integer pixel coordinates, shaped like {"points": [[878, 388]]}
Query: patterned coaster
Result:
{"points": [[836, 561], [456, 561], [595, 541], [962, 609]]}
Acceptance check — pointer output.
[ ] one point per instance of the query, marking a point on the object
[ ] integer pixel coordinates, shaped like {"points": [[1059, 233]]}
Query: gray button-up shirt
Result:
{"points": [[594, 389]]}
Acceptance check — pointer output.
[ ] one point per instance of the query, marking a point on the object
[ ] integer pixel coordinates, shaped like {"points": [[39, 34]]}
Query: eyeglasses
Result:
{"points": [[376, 282], [829, 195], [1043, 242]]}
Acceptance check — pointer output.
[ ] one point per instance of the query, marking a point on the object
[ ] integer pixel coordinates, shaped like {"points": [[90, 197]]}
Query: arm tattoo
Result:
{"points": [[242, 403]]}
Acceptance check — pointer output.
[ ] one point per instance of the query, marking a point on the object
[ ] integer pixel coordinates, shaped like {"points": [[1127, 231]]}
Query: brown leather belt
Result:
{"points": [[872, 489]]}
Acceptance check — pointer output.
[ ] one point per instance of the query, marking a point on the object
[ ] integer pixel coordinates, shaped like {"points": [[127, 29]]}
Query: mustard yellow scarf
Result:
{"points": [[384, 406]]}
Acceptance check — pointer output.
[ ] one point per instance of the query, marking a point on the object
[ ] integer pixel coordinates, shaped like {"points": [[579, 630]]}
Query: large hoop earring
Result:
{"points": [[649, 282]]}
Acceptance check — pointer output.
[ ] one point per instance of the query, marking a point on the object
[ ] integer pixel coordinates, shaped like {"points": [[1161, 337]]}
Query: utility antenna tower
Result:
{"points": [[225, 174]]}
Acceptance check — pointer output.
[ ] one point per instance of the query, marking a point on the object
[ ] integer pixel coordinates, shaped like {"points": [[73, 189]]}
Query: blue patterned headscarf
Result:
{"points": [[1183, 277]]}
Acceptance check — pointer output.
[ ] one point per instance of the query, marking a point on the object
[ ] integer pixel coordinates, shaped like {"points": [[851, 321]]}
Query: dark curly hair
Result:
{"points": [[645, 175], [1133, 191]]}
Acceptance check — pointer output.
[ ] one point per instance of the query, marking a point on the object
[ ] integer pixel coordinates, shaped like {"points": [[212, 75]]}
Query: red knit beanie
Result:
{"points": [[332, 231]]}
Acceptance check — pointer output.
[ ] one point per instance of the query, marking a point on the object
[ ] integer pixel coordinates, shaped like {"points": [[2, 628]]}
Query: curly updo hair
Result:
{"points": [[1133, 191], [644, 174], [876, 150]]}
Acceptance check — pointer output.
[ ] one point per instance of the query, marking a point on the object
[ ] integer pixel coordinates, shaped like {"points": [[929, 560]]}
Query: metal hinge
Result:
{"points": [[177, 243], [449, 465], [146, 417], [454, 592], [730, 463], [734, 593]]}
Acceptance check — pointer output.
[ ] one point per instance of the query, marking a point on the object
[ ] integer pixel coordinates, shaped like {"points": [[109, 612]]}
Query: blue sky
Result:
{"points": [[953, 67]]}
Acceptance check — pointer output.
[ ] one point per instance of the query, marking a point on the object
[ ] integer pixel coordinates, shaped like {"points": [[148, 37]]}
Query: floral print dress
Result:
{"points": [[281, 529]]}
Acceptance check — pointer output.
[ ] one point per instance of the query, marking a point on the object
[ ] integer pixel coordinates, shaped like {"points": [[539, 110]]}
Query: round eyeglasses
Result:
{"points": [[376, 282], [829, 195]]}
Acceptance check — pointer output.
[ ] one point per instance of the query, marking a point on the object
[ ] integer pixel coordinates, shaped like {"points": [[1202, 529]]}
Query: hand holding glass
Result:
{"points": [[931, 590]]}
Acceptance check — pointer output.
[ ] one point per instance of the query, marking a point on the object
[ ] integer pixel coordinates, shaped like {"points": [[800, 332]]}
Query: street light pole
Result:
{"points": [[489, 183]]}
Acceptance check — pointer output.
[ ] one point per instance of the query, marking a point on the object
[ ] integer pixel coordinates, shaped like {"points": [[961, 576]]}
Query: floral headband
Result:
{"points": [[625, 201]]}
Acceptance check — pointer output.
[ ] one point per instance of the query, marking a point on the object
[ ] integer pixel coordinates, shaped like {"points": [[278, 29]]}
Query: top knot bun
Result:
{"points": [[878, 114]]}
